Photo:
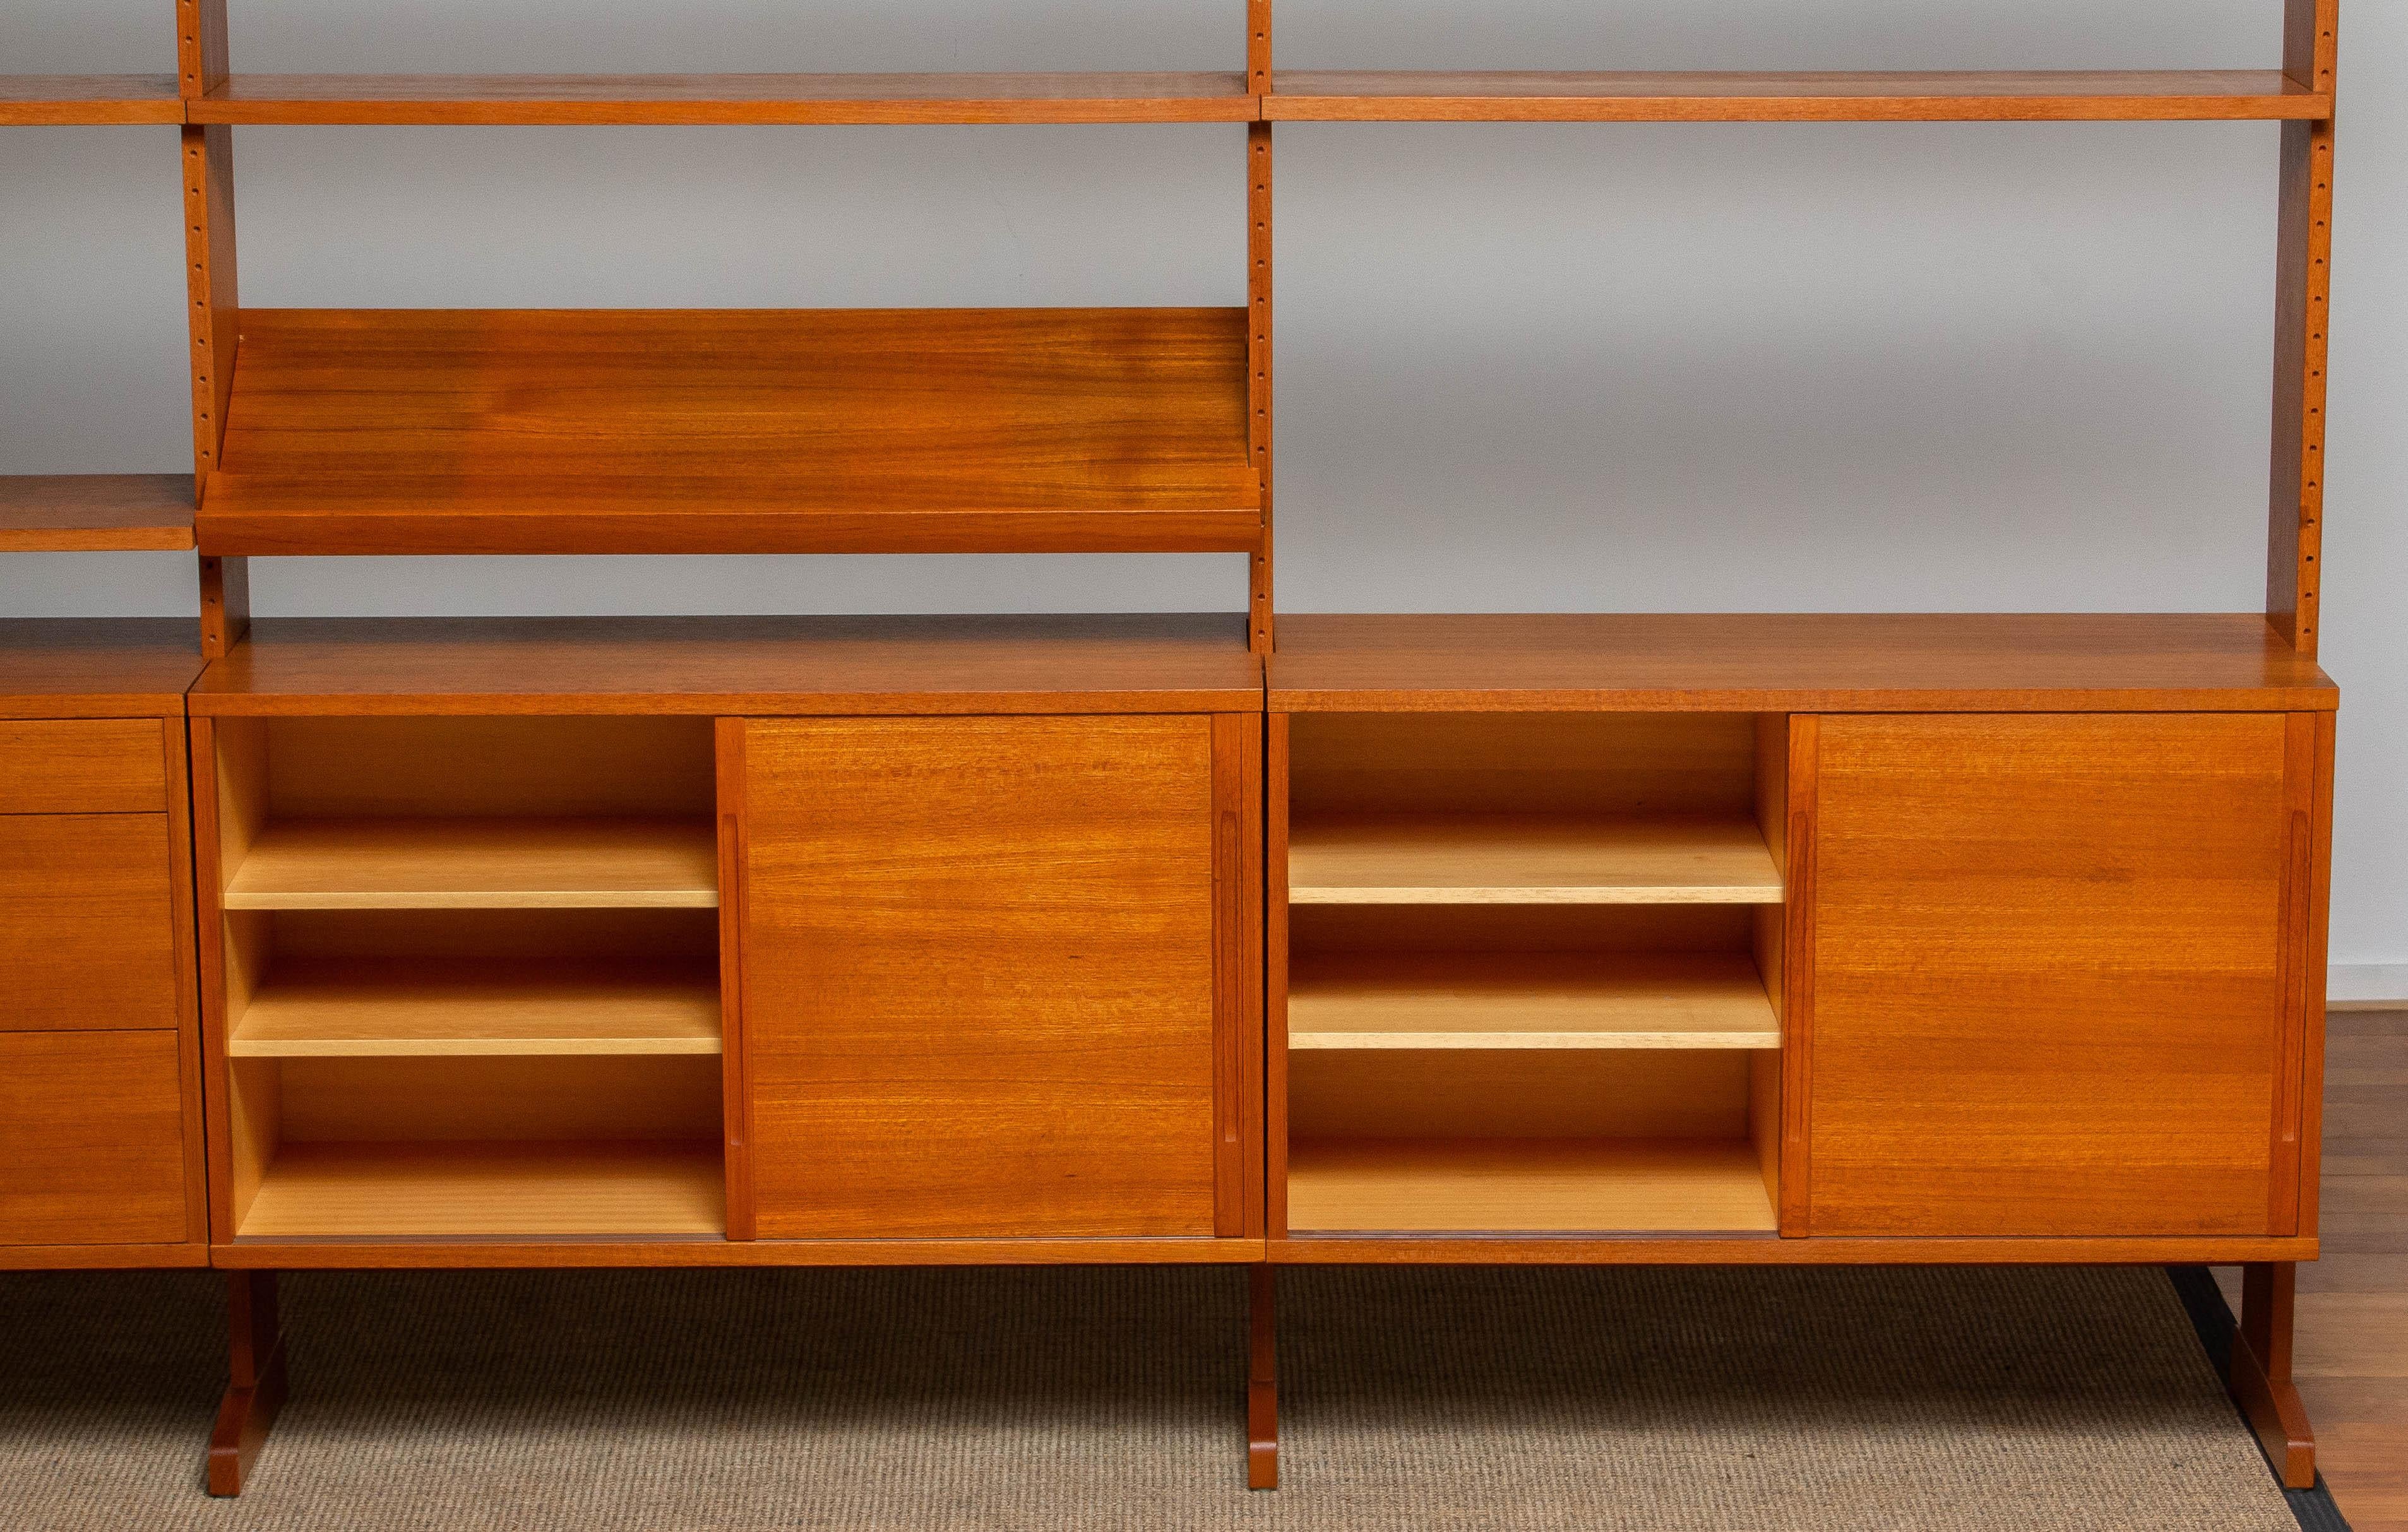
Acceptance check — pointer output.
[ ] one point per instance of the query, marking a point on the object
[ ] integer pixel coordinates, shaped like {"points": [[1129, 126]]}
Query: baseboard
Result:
{"points": [[2367, 986]]}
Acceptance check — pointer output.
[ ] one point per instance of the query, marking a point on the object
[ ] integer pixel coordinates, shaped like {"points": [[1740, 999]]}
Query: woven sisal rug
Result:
{"points": [[1061, 1401]]}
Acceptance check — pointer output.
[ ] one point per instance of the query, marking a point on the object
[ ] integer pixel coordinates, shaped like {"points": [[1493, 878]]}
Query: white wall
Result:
{"points": [[2003, 367]]}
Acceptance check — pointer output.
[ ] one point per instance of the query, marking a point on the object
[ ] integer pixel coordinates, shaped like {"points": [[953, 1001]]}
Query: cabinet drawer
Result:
{"points": [[91, 1132], [87, 922], [79, 767]]}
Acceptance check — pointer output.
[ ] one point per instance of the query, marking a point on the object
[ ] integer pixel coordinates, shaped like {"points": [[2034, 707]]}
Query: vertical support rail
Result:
{"points": [[202, 63], [2303, 292], [254, 1384], [1259, 365], [1258, 315]]}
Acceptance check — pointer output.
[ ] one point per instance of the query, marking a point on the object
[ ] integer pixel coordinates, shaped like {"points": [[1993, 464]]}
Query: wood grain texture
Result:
{"points": [[736, 1123], [571, 1253], [95, 513], [97, 667], [715, 666], [2047, 975], [91, 1131], [1238, 994], [857, 99], [1529, 1000], [88, 923], [480, 1098], [478, 863], [88, 100], [175, 1258], [1401, 859], [1797, 945], [1804, 663], [1279, 950], [426, 431], [410, 1007], [979, 977], [95, 766], [1766, 1250], [1599, 1093], [1826, 96], [1525, 1186], [1594, 765], [1262, 1377], [465, 1190], [2302, 321]]}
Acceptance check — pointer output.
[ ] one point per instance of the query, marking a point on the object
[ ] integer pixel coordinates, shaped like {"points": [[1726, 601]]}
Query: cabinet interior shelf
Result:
{"points": [[1526, 1186], [1831, 96], [730, 98], [500, 430], [95, 513], [1529, 1000], [479, 864], [431, 1008], [88, 100], [472, 1190], [1460, 859]]}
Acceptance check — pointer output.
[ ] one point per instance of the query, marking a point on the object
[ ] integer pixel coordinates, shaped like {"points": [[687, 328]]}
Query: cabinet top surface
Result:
{"points": [[736, 666], [2119, 662], [97, 667]]}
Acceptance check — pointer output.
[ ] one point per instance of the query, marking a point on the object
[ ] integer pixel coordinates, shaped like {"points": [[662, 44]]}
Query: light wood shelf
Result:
{"points": [[88, 100], [450, 1007], [1526, 1186], [1529, 1000], [762, 431], [794, 98], [1826, 96], [1465, 859], [470, 1190], [95, 513], [479, 864]]}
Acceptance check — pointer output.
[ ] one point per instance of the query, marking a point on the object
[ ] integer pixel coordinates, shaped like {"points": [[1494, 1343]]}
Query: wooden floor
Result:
{"points": [[2352, 1361]]}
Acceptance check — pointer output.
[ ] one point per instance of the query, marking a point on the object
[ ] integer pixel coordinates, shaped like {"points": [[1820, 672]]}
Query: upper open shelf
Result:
{"points": [[88, 100], [95, 513], [1020, 430], [834, 99], [1353, 95]]}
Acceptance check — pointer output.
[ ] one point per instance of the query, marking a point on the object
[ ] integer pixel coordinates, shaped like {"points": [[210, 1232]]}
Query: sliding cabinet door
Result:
{"points": [[2057, 972], [988, 977]]}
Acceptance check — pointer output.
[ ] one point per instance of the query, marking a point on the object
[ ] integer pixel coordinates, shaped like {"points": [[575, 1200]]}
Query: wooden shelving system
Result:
{"points": [[1545, 939]]}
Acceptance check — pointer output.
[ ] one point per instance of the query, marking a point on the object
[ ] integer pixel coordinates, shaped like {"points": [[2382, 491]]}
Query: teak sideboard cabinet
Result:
{"points": [[1251, 939]]}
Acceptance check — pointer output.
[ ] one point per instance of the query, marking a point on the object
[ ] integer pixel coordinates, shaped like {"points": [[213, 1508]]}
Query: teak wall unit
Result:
{"points": [[718, 942]]}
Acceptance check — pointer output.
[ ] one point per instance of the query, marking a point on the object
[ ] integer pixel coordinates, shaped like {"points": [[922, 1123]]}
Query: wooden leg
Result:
{"points": [[255, 1387], [2261, 1372], [1262, 1384]]}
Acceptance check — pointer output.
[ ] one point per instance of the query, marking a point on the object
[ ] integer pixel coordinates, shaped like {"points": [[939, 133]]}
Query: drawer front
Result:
{"points": [[87, 922], [91, 1133], [84, 766]]}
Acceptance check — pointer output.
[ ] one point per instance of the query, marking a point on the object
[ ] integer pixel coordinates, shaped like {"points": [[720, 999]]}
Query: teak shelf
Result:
{"points": [[852, 99], [95, 513], [1241, 938], [839, 431]]}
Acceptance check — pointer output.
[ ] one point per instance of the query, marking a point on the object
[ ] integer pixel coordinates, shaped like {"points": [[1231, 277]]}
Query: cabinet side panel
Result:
{"points": [[2049, 965], [979, 977], [738, 1100]]}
